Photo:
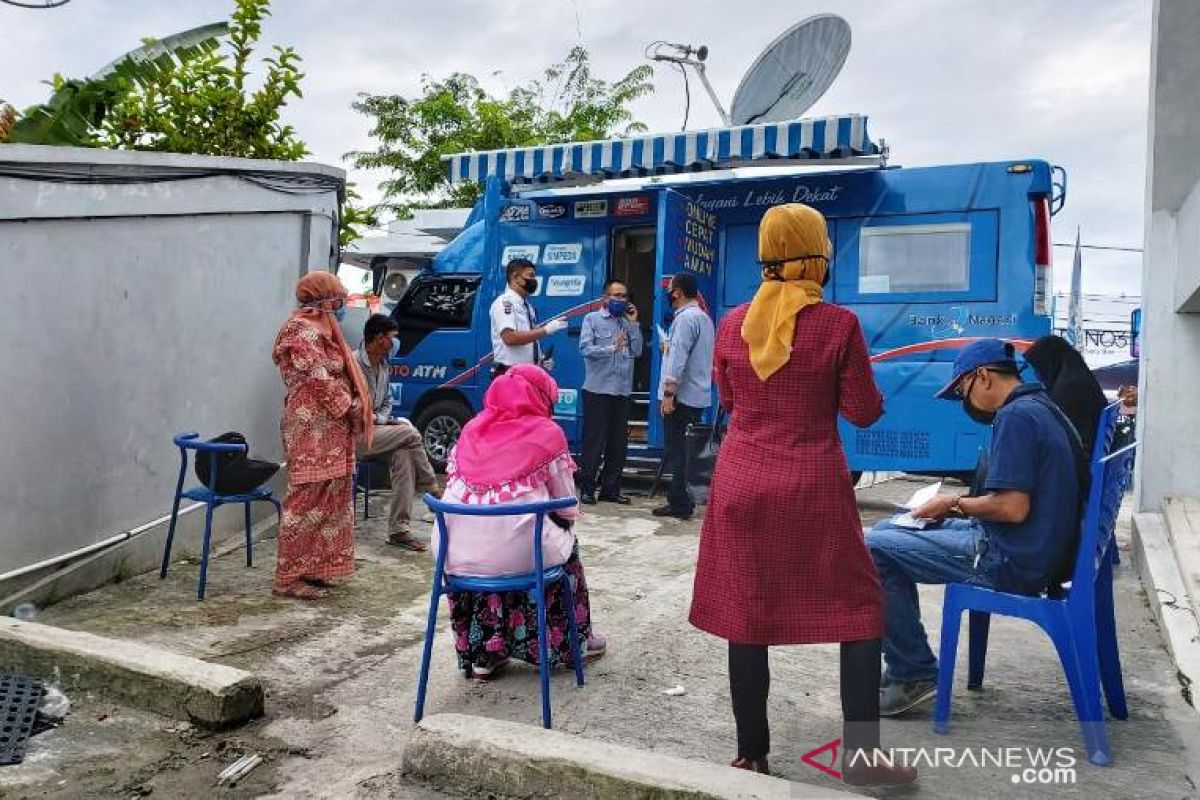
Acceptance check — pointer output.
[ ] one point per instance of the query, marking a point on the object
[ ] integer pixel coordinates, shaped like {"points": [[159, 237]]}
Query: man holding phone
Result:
{"points": [[610, 341]]}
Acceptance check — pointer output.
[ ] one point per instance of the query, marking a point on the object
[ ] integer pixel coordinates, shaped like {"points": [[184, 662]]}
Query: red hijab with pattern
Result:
{"points": [[316, 293]]}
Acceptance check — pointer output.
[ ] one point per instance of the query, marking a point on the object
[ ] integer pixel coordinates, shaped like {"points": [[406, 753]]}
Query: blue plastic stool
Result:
{"points": [[1081, 624], [533, 582], [190, 440]]}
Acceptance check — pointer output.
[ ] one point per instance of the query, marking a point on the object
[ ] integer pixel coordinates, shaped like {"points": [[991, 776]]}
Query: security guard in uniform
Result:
{"points": [[515, 332]]}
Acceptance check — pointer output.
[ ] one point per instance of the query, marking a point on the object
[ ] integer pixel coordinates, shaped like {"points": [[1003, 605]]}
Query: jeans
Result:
{"points": [[953, 552], [605, 437], [675, 427]]}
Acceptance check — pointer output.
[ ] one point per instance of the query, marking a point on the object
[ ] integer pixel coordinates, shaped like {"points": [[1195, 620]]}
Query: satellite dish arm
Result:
{"points": [[699, 65]]}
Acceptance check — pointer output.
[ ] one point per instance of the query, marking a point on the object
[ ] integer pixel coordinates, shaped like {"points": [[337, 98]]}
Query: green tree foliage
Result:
{"points": [[455, 115], [77, 107], [354, 217], [204, 104]]}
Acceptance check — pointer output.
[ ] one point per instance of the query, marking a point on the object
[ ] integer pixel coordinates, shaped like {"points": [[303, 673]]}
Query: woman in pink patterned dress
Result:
{"points": [[325, 408]]}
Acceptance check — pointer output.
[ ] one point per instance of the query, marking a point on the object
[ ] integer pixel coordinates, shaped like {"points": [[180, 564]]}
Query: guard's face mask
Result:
{"points": [[530, 285]]}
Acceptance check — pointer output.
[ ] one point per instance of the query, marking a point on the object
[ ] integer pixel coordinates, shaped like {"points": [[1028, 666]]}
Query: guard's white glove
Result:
{"points": [[554, 326]]}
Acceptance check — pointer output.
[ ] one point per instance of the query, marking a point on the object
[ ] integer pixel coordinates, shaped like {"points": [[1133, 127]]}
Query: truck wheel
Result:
{"points": [[440, 424]]}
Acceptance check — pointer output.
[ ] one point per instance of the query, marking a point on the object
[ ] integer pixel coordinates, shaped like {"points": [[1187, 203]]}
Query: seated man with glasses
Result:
{"points": [[1015, 537]]}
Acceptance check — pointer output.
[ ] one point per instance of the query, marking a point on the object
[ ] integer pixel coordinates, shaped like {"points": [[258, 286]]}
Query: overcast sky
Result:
{"points": [[943, 81]]}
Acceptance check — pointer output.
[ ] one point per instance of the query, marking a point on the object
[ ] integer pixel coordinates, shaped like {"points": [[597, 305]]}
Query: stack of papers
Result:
{"points": [[919, 498]]}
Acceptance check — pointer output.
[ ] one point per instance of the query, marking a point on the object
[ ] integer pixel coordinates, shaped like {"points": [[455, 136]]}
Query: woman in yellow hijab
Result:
{"points": [[782, 557], [794, 250]]}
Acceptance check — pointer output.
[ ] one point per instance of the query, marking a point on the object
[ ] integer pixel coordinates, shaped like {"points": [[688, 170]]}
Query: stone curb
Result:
{"points": [[1168, 599], [482, 757], [211, 695]]}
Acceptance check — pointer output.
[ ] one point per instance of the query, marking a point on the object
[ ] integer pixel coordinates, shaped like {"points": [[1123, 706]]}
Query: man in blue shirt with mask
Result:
{"points": [[610, 342], [1016, 537]]}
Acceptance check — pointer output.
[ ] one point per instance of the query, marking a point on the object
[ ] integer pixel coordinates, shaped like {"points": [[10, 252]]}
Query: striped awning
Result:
{"points": [[667, 153]]}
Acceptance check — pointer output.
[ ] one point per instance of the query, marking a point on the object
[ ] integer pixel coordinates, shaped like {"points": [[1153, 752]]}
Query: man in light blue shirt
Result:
{"points": [[685, 389], [610, 342]]}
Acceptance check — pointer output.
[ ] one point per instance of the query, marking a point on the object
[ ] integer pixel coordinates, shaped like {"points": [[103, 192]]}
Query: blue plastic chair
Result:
{"points": [[1081, 623], [362, 470], [533, 582], [190, 440]]}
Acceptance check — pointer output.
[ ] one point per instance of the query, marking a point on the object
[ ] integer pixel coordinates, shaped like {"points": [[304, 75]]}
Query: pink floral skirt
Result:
{"points": [[489, 628]]}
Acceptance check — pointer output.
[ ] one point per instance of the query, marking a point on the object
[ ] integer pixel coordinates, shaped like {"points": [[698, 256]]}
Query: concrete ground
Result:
{"points": [[341, 674]]}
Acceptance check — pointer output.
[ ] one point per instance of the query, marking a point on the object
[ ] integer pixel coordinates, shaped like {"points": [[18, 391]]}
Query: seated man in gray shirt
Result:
{"points": [[685, 389], [410, 470]]}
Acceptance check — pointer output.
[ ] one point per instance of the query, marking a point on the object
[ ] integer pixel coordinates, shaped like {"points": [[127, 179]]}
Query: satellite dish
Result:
{"points": [[793, 72]]}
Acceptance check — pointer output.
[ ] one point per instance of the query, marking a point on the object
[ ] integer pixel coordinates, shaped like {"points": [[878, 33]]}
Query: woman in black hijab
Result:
{"points": [[1070, 384]]}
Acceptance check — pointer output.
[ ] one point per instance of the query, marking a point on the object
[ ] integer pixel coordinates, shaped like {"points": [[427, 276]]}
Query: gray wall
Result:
{"points": [[1169, 425], [139, 310]]}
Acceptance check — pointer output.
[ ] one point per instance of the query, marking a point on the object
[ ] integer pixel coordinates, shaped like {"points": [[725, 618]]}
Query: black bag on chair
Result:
{"points": [[237, 473], [703, 442]]}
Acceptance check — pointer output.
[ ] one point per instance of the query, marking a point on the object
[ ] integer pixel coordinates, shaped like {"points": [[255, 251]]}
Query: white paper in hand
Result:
{"points": [[907, 520], [918, 499], [921, 496]]}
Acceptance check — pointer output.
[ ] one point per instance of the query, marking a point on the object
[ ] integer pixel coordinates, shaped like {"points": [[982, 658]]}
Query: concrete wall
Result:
{"points": [[1169, 423], [136, 309]]}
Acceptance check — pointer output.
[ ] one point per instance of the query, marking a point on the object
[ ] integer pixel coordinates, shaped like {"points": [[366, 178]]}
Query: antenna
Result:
{"points": [[787, 77], [682, 55], [793, 71]]}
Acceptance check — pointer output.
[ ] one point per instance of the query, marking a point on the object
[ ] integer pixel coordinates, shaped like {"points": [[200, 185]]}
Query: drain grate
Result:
{"points": [[19, 698]]}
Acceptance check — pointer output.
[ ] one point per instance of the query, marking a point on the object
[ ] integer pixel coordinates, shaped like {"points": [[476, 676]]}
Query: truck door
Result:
{"points": [[570, 256], [687, 242]]}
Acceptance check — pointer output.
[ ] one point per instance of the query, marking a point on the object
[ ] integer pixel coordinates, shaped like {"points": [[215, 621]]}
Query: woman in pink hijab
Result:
{"points": [[513, 452]]}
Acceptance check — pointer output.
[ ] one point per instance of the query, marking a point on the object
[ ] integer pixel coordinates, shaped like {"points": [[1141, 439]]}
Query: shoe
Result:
{"points": [[597, 646], [671, 511], [484, 674], [903, 696], [878, 768], [619, 499], [751, 764], [587, 498]]}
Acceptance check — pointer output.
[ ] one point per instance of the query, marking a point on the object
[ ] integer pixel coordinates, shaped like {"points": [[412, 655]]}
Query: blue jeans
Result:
{"points": [[945, 553]]}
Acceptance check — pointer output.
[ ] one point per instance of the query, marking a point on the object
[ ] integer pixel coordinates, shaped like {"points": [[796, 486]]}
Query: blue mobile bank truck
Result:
{"points": [[928, 258]]}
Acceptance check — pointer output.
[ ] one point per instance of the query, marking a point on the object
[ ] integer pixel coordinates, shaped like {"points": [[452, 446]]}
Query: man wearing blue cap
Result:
{"points": [[1015, 537]]}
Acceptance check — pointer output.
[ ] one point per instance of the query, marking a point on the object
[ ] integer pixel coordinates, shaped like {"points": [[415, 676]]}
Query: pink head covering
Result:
{"points": [[508, 447]]}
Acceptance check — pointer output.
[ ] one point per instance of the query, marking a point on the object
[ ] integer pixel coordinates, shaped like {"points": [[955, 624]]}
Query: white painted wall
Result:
{"points": [[1169, 409], [134, 311]]}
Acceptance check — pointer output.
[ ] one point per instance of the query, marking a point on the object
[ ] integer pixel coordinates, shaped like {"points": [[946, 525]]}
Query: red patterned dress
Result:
{"points": [[782, 557], [316, 539]]}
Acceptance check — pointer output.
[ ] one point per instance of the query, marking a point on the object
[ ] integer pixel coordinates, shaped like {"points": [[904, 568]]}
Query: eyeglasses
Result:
{"points": [[964, 388]]}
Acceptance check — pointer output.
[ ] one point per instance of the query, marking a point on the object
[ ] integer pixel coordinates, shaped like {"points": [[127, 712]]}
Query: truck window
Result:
{"points": [[915, 258], [435, 303]]}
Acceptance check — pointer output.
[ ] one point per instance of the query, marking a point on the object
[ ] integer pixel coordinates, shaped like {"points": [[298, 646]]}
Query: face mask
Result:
{"points": [[530, 285], [618, 307], [978, 414], [340, 313], [395, 349]]}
